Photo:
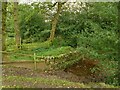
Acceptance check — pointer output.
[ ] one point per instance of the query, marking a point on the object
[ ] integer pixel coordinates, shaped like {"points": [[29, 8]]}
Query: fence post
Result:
{"points": [[35, 63]]}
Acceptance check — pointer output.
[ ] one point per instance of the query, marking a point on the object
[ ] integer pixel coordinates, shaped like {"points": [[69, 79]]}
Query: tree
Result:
{"points": [[55, 20], [4, 13], [33, 27], [69, 8], [119, 43], [16, 26]]}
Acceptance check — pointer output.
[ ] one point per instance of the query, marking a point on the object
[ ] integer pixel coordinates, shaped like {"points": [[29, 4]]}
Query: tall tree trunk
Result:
{"points": [[119, 43], [4, 13], [55, 21], [16, 26]]}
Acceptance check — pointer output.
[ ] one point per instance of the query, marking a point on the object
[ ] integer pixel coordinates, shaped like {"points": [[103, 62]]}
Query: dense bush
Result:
{"points": [[93, 30], [32, 24]]}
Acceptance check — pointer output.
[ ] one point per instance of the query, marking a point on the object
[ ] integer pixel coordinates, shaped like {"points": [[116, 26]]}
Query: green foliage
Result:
{"points": [[59, 42], [10, 20], [67, 59], [93, 30], [111, 68], [105, 14], [102, 45], [32, 23], [66, 64]]}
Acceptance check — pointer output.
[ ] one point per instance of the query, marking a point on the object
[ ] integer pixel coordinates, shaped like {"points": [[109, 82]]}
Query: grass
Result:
{"points": [[30, 46], [51, 82], [41, 52], [19, 58], [46, 81], [56, 51]]}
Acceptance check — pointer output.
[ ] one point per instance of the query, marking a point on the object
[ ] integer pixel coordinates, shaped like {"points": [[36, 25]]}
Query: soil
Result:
{"points": [[27, 70], [27, 64]]}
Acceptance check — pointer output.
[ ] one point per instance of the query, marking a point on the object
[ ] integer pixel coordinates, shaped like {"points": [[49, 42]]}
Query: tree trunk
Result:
{"points": [[4, 13], [54, 21], [16, 26], [119, 43]]}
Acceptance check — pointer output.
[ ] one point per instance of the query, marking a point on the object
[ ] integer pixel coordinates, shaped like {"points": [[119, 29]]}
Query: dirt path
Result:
{"points": [[28, 64], [9, 70], [23, 75], [27, 68]]}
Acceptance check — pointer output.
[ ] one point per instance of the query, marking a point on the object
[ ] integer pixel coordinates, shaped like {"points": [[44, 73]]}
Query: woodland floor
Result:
{"points": [[22, 70]]}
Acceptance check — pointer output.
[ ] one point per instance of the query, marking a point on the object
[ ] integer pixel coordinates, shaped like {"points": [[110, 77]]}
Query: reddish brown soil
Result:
{"points": [[83, 70], [83, 67]]}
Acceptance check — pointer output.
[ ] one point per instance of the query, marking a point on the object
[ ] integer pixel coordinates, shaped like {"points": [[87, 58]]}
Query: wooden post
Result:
{"points": [[35, 63]]}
